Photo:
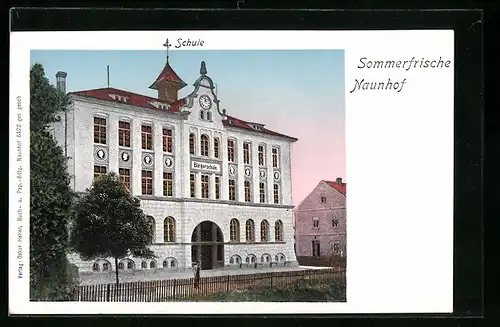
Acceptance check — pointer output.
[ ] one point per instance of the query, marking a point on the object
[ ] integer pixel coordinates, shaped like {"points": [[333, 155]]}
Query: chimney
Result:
{"points": [[339, 180], [61, 81]]}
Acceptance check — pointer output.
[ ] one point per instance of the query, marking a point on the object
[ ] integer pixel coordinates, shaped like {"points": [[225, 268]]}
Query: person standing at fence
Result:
{"points": [[196, 272]]}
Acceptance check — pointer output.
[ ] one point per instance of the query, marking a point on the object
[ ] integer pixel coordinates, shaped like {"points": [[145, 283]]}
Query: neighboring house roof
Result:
{"points": [[168, 75], [121, 96], [256, 127], [340, 187]]}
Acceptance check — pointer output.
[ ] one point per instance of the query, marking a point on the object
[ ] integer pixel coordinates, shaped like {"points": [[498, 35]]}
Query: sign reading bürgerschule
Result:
{"points": [[206, 166]]}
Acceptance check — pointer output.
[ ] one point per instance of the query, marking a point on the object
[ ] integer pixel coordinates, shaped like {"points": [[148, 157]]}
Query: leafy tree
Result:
{"points": [[109, 223], [50, 195]]}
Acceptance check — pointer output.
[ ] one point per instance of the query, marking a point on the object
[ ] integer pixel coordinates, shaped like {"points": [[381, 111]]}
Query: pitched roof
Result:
{"points": [[256, 127], [121, 96], [168, 75], [339, 187]]}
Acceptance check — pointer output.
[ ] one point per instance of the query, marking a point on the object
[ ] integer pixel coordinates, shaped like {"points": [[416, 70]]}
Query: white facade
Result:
{"points": [[187, 211]]}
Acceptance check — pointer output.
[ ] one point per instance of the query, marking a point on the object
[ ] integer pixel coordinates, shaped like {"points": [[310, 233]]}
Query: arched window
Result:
{"points": [[278, 231], [165, 263], [105, 266], [202, 114], [130, 264], [204, 145], [169, 230], [192, 143], [121, 266], [251, 258], [250, 230], [169, 263], [173, 263], [231, 260], [209, 115], [95, 267], [235, 259], [265, 258], [144, 265], [280, 257], [216, 147], [152, 227], [152, 264], [264, 231], [234, 230]]}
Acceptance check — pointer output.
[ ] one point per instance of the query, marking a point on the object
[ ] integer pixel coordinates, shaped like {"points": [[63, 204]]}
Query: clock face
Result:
{"points": [[205, 102]]}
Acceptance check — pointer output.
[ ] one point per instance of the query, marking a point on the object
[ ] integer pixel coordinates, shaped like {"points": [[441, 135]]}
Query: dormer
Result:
{"points": [[168, 84], [119, 97], [160, 105]]}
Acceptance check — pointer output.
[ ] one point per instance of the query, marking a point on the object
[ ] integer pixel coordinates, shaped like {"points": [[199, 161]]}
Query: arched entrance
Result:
{"points": [[207, 245]]}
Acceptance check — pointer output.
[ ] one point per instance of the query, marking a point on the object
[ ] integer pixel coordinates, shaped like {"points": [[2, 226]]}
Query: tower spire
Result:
{"points": [[167, 45]]}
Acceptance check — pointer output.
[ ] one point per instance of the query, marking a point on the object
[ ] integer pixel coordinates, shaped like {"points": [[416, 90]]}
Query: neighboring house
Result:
{"points": [[215, 188], [320, 222]]}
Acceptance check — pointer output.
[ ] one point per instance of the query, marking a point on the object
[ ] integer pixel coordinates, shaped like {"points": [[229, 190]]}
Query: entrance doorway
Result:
{"points": [[207, 245]]}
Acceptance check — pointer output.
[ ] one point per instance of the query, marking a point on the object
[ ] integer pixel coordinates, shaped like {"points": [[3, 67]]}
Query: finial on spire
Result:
{"points": [[203, 68], [167, 45]]}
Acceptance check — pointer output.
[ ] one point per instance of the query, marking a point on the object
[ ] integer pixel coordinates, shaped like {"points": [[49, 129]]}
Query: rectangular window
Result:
{"points": [[262, 192], [247, 191], [192, 185], [316, 249], [99, 171], [216, 148], [147, 182], [168, 183], [99, 130], [167, 140], [315, 222], [204, 186], [217, 187], [335, 222], [125, 177], [124, 134], [336, 248], [262, 157], [232, 190], [246, 153], [323, 199], [230, 150], [147, 137], [276, 193], [275, 158]]}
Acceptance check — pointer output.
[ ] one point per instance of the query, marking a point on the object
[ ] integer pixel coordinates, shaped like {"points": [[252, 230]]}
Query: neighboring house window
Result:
{"points": [[167, 140], [275, 158], [234, 230], [250, 230], [323, 199], [262, 157], [169, 230], [264, 231], [262, 192], [168, 183], [276, 194], [217, 187], [316, 249], [232, 190], [230, 150], [335, 222], [247, 191], [192, 142], [152, 227], [278, 231], [124, 134], [125, 177], [246, 153], [192, 185], [99, 171], [99, 130], [147, 137], [336, 248], [147, 182], [204, 186], [315, 222], [216, 148], [204, 145]]}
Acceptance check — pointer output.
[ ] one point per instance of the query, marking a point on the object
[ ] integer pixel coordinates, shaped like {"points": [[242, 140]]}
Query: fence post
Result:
{"points": [[107, 293], [272, 274], [227, 286], [173, 292]]}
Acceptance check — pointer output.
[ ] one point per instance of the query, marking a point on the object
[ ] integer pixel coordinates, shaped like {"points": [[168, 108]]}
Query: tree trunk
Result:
{"points": [[116, 271]]}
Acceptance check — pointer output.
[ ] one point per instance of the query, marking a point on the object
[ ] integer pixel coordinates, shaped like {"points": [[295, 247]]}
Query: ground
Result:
{"points": [[160, 274]]}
